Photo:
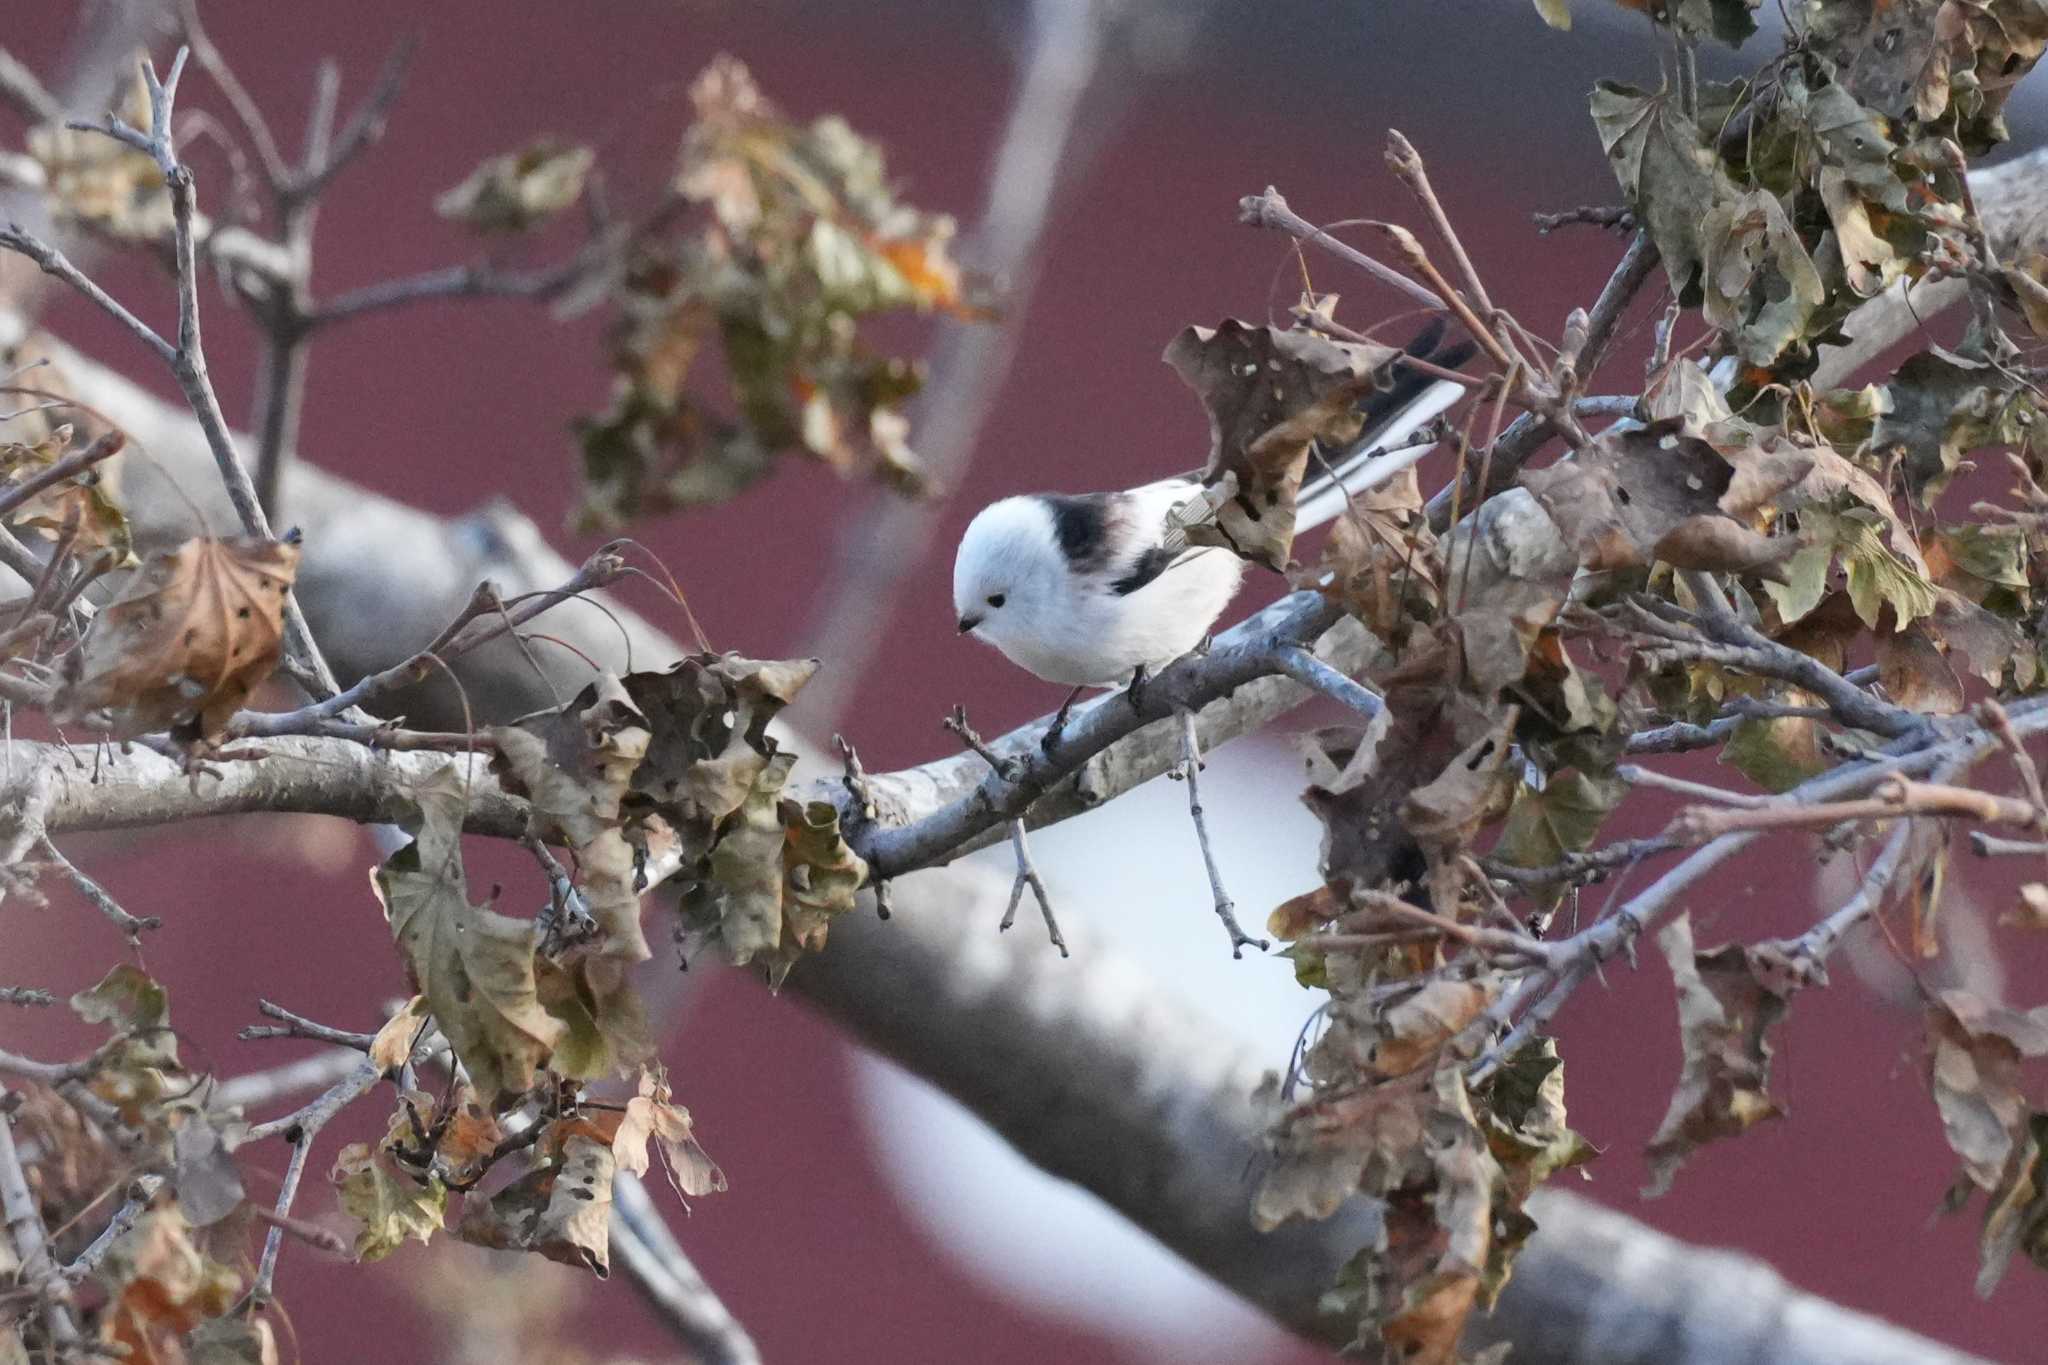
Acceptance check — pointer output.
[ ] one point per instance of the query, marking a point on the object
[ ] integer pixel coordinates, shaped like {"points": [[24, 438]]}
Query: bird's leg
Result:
{"points": [[1135, 693], [1051, 739]]}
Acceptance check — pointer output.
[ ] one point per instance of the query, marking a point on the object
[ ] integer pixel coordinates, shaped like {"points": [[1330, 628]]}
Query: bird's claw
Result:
{"points": [[1050, 740]]}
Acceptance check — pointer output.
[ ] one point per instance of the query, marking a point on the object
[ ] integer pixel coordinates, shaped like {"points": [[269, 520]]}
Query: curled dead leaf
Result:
{"points": [[1728, 1000]]}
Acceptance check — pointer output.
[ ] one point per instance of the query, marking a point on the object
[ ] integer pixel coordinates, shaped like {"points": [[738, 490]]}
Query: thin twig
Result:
{"points": [[1270, 210], [478, 280], [298, 1026], [70, 467], [1612, 216], [142, 1193], [566, 918], [273, 1241], [1812, 948], [1991, 846], [956, 723], [1542, 991], [1638, 776], [312, 1234], [53, 262], [188, 358], [1027, 875], [1527, 434], [247, 114], [1191, 764], [363, 128], [360, 1081], [26, 995], [480, 622], [1407, 166], [131, 925]]}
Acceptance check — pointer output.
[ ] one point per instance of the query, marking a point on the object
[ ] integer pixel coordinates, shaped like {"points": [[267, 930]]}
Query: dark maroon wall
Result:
{"points": [[444, 407]]}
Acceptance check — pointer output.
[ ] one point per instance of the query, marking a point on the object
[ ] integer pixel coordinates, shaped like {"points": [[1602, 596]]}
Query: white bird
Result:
{"points": [[1081, 589]]}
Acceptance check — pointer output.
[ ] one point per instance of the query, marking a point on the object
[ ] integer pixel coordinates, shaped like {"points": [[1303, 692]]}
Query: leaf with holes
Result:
{"points": [[1760, 285], [1270, 394], [562, 1209]]}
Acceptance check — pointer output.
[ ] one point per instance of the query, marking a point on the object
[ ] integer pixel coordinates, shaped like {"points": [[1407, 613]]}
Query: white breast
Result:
{"points": [[1099, 637]]}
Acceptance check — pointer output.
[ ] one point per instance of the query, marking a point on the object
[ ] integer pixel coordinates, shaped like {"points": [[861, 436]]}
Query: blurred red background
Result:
{"points": [[447, 406]]}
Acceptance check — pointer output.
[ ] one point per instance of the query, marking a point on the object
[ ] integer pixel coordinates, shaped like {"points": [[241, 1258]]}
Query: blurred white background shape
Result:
{"points": [[1132, 872]]}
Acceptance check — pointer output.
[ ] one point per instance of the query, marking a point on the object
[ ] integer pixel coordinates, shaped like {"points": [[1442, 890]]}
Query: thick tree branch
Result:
{"points": [[1100, 1079]]}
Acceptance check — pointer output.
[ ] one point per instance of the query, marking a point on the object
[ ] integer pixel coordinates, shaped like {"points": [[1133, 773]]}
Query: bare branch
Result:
{"points": [[298, 1026], [642, 1243], [20, 88], [1027, 876], [142, 1192], [363, 129], [477, 280], [38, 1270], [53, 262]]}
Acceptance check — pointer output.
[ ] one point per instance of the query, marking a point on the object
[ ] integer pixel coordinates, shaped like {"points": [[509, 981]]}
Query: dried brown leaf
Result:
{"points": [[189, 636]]}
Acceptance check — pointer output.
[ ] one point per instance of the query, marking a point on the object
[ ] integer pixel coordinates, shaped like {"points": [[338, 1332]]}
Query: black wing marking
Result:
{"points": [[1081, 524], [1149, 566], [1382, 407]]}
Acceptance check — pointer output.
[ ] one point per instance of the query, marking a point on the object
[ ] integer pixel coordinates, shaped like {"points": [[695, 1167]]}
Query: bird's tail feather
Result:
{"points": [[1389, 442]]}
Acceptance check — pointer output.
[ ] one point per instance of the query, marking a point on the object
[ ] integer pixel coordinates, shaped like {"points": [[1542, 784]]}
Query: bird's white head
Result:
{"points": [[1009, 575]]}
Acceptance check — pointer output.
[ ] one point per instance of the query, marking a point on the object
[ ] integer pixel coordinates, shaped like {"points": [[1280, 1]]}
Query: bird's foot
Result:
{"points": [[1050, 740], [1135, 693]]}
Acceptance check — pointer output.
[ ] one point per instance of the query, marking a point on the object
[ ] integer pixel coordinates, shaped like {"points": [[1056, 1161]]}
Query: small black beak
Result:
{"points": [[968, 623]]}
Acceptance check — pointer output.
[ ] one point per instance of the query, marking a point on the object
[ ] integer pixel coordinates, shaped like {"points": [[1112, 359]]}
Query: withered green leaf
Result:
{"points": [[389, 1204], [1974, 1055], [1761, 287], [474, 966], [605, 1029], [575, 765], [1672, 180]]}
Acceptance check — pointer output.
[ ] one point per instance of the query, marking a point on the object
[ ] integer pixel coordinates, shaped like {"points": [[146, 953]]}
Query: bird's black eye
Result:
{"points": [[995, 599]]}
